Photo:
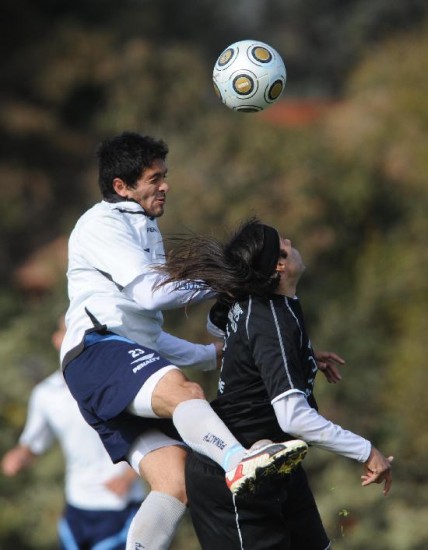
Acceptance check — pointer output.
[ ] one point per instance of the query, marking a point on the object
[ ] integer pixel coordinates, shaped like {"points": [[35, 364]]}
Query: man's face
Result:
{"points": [[151, 189]]}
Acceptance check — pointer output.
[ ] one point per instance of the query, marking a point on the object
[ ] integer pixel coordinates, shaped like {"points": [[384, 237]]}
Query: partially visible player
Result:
{"points": [[101, 497], [266, 388]]}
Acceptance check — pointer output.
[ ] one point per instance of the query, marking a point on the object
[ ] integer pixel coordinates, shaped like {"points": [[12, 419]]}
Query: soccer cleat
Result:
{"points": [[263, 460]]}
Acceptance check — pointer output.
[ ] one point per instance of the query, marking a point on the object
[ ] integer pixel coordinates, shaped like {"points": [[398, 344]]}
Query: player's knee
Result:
{"points": [[179, 492], [173, 487], [187, 391], [163, 469], [171, 390], [193, 391]]}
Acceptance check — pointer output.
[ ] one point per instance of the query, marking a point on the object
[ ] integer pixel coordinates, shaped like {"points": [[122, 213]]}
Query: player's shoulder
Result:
{"points": [[293, 305], [90, 217], [263, 303], [276, 301], [54, 380], [101, 210], [263, 311], [106, 218]]}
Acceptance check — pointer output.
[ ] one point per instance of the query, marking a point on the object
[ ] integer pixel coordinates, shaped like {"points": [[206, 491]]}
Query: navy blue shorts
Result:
{"points": [[104, 379], [89, 529]]}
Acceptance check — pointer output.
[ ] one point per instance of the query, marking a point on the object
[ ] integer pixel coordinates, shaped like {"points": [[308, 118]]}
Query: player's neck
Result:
{"points": [[288, 286], [287, 290]]}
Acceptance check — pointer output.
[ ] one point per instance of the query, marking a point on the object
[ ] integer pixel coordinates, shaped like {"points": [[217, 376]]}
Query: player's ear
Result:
{"points": [[280, 266], [120, 187]]}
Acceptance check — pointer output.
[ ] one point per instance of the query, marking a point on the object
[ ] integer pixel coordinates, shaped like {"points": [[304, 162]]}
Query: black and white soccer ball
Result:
{"points": [[249, 76]]}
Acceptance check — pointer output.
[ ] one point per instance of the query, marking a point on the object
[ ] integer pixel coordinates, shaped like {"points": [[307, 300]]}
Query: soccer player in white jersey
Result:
{"points": [[119, 364], [101, 498], [266, 389]]}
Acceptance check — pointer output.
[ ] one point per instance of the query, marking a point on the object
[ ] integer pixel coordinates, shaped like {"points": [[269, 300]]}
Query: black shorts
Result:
{"points": [[104, 379], [283, 517]]}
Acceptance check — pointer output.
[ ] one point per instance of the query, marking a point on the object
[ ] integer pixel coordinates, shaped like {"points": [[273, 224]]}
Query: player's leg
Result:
{"points": [[211, 505], [223, 520], [108, 529], [95, 529], [169, 394], [300, 509], [172, 395], [73, 530], [157, 519], [116, 375]]}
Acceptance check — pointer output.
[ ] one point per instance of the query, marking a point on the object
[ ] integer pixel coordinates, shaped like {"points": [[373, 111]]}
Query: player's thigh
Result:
{"points": [[210, 506], [163, 469], [223, 521], [306, 527]]}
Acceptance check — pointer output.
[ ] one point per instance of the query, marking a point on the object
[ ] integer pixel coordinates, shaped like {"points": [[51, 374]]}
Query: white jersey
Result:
{"points": [[54, 414], [112, 246]]}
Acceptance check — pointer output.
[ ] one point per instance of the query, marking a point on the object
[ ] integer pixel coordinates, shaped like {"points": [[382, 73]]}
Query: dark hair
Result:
{"points": [[232, 268], [126, 156]]}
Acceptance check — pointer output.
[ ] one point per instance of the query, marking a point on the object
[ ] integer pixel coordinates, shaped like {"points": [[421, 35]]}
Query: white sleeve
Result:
{"points": [[170, 296], [37, 434], [214, 330], [186, 354], [296, 417]]}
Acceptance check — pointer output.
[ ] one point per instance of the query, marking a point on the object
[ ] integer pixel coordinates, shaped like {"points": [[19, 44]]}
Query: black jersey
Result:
{"points": [[267, 355]]}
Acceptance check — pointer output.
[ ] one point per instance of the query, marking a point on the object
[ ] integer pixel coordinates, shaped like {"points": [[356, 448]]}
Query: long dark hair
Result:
{"points": [[244, 264]]}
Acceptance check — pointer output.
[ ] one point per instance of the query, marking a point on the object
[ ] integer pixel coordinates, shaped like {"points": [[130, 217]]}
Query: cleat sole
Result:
{"points": [[282, 465]]}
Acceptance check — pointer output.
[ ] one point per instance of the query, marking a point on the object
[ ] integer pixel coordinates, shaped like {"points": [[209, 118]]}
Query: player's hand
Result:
{"points": [[377, 469], [117, 485], [327, 363], [122, 483], [15, 460]]}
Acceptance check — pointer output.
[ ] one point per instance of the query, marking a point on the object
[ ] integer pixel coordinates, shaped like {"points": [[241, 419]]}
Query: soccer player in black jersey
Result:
{"points": [[265, 390]]}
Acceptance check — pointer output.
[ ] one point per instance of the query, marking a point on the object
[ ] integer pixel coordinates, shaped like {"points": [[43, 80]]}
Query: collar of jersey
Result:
{"points": [[128, 206]]}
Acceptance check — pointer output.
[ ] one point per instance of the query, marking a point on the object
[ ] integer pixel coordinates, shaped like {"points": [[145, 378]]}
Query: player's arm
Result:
{"points": [[37, 434], [17, 459], [187, 354], [34, 440], [274, 349], [147, 292], [297, 418], [112, 250]]}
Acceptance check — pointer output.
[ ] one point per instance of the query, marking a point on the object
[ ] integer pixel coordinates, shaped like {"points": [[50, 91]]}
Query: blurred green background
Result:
{"points": [[339, 165]]}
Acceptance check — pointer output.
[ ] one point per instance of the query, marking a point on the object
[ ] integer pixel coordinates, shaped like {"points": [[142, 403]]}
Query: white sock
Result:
{"points": [[204, 432], [155, 523]]}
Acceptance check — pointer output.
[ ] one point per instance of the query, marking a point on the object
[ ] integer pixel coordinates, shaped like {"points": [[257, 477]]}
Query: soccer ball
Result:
{"points": [[249, 76]]}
